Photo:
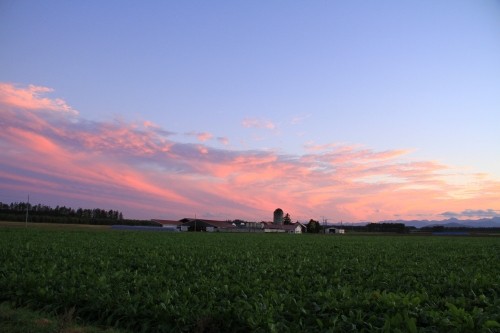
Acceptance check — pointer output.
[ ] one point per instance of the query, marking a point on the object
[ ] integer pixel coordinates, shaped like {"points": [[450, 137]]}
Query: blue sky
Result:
{"points": [[280, 77]]}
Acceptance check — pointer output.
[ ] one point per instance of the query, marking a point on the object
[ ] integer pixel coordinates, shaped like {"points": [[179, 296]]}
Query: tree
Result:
{"points": [[313, 226], [287, 219], [386, 227]]}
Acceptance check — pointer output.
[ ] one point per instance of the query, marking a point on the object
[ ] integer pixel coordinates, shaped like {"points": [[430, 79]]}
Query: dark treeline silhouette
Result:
{"points": [[387, 227], [378, 227], [16, 212], [313, 227], [474, 230]]}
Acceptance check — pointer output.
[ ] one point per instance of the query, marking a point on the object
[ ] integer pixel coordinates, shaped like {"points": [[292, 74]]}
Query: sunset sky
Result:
{"points": [[344, 110]]}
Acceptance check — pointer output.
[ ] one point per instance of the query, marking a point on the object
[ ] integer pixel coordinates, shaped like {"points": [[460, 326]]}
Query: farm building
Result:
{"points": [[244, 226], [191, 224], [143, 228], [271, 227], [169, 223], [334, 230], [295, 228], [206, 225], [278, 216]]}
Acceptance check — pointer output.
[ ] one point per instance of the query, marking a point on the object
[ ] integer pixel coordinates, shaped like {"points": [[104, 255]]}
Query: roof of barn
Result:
{"points": [[168, 222]]}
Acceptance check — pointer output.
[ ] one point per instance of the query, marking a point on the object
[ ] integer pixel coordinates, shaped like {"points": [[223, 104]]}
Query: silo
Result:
{"points": [[278, 216]]}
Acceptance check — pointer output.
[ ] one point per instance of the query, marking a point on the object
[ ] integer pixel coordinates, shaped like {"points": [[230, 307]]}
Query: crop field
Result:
{"points": [[215, 282]]}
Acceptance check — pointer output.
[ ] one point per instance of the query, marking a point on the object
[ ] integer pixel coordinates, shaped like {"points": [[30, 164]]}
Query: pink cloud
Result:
{"points": [[298, 119], [223, 140], [204, 136], [31, 98], [258, 123], [137, 168], [202, 149], [201, 136]]}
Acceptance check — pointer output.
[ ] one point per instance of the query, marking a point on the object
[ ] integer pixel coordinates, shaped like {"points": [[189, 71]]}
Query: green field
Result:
{"points": [[215, 282]]}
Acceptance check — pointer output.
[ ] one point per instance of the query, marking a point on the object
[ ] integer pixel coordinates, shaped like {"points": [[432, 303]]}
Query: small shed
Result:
{"points": [[334, 230]]}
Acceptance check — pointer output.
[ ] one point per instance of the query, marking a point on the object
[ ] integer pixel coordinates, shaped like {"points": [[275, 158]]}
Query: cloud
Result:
{"points": [[31, 98], [204, 136], [258, 123], [137, 167], [473, 213], [299, 119], [223, 140], [201, 136], [450, 214]]}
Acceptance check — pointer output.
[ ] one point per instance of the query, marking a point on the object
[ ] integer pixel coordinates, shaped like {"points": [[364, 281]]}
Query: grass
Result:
{"points": [[24, 320], [200, 282], [60, 226]]}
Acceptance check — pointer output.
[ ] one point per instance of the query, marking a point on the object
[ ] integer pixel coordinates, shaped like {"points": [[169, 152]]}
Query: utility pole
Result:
{"points": [[195, 222], [27, 208]]}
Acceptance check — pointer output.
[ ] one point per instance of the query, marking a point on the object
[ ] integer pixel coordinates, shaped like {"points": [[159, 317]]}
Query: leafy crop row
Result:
{"points": [[254, 282]]}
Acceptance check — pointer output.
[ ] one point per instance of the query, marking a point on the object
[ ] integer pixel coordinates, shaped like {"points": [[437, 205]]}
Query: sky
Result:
{"points": [[336, 110]]}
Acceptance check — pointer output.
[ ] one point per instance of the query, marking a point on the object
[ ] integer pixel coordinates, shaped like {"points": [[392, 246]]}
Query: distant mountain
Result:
{"points": [[449, 225], [493, 222]]}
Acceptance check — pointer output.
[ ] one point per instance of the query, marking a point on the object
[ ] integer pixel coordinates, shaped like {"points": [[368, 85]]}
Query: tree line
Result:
{"points": [[16, 212], [315, 227]]}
